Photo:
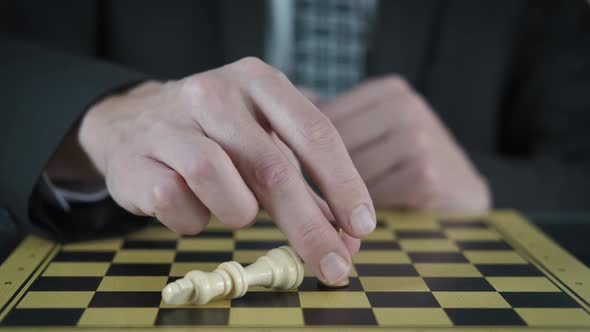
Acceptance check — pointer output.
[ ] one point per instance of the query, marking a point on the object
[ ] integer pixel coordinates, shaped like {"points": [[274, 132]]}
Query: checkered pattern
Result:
{"points": [[413, 271], [331, 44]]}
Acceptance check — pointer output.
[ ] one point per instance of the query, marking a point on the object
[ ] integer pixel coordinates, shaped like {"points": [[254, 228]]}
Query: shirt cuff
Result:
{"points": [[66, 193]]}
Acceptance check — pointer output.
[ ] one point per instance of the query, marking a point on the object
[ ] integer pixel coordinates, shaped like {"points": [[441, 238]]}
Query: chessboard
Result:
{"points": [[416, 271]]}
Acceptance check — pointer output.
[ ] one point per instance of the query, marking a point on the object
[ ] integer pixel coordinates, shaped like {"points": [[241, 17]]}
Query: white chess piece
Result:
{"points": [[279, 268]]}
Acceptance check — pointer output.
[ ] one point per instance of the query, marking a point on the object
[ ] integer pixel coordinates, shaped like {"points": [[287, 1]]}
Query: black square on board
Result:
{"points": [[489, 317], [84, 256], [380, 245], [474, 223], [173, 279], [437, 257], [43, 317], [508, 270], [267, 299], [203, 256], [259, 245], [212, 233], [386, 270], [120, 269], [152, 244], [125, 299], [483, 245], [193, 316], [66, 284], [312, 284], [539, 300], [263, 223], [405, 234], [449, 284], [403, 299], [338, 317]]}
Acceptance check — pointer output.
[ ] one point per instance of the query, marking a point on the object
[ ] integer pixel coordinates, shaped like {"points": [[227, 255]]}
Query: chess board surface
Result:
{"points": [[418, 271]]}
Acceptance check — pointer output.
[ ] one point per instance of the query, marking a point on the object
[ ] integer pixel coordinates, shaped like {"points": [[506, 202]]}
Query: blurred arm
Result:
{"points": [[44, 94]]}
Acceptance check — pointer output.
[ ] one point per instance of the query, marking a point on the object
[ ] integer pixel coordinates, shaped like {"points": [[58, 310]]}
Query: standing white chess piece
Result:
{"points": [[279, 268]]}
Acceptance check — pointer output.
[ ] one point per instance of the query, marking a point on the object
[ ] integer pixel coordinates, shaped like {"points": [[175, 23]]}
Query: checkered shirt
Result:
{"points": [[331, 39]]}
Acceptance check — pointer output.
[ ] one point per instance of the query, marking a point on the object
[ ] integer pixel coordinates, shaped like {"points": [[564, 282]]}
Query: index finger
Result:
{"points": [[318, 145], [276, 182]]}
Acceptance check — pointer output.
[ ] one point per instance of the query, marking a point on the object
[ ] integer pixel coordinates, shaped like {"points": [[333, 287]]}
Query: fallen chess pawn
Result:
{"points": [[279, 268]]}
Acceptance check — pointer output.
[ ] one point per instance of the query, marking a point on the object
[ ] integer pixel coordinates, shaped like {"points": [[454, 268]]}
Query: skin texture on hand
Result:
{"points": [[222, 142], [404, 153]]}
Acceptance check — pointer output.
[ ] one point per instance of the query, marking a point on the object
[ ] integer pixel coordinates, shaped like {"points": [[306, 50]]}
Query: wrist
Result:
{"points": [[93, 140]]}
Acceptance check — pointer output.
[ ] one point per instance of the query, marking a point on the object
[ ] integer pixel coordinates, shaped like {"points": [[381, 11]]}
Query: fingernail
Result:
{"points": [[341, 284], [361, 221], [334, 267]]}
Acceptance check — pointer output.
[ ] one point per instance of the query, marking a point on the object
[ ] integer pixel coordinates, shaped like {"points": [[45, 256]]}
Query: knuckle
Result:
{"points": [[256, 66], [165, 193], [411, 103], [200, 167], [272, 170], [277, 75], [319, 131], [395, 82], [252, 63], [260, 70], [204, 88], [411, 112], [416, 108], [421, 141], [425, 175]]}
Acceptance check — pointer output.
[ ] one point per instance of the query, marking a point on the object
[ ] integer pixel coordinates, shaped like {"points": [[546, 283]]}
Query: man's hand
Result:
{"points": [[219, 142], [402, 150]]}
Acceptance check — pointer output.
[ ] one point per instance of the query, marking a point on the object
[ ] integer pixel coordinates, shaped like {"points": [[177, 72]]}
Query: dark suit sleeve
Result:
{"points": [[43, 92], [552, 96]]}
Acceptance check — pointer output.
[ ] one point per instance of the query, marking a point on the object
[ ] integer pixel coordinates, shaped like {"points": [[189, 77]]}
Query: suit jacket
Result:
{"points": [[510, 78]]}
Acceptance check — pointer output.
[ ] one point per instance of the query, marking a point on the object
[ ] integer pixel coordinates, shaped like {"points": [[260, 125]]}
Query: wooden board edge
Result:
{"points": [[563, 266], [21, 267]]}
